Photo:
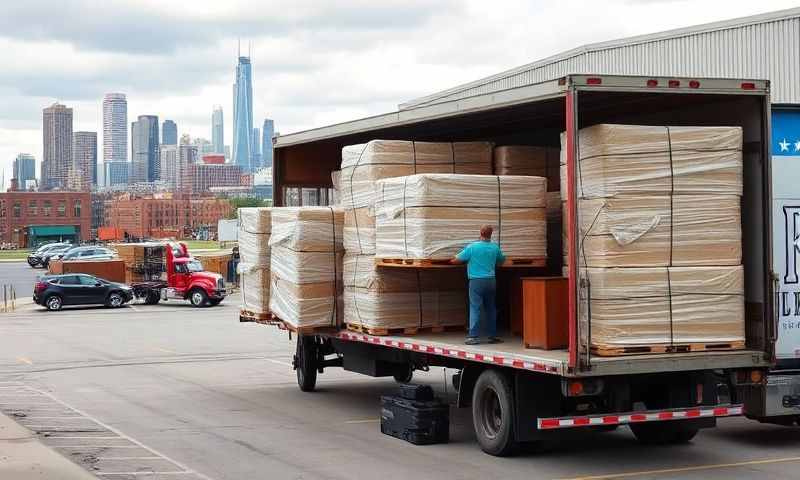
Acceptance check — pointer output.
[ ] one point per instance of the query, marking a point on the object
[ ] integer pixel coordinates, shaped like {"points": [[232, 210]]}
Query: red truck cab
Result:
{"points": [[187, 280]]}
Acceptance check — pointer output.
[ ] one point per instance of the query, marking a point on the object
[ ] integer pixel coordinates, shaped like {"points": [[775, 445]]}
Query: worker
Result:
{"points": [[481, 258]]}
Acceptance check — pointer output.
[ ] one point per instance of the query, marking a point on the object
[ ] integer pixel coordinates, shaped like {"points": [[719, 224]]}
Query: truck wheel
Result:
{"points": [[152, 298], [493, 413], [198, 298], [404, 374], [305, 363], [54, 303], [663, 433]]}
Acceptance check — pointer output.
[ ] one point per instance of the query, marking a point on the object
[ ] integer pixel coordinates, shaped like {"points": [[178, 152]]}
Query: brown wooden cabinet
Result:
{"points": [[544, 311]]}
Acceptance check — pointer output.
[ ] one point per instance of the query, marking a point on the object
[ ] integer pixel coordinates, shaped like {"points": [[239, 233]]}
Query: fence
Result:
{"points": [[9, 298]]}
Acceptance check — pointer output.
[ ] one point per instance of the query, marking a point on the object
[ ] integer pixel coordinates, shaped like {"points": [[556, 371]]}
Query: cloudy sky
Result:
{"points": [[314, 62]]}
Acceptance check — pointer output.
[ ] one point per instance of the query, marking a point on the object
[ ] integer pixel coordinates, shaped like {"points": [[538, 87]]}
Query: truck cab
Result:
{"points": [[187, 280]]}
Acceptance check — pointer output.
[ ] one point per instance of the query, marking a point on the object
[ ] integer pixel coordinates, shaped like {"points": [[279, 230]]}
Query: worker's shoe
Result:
{"points": [[472, 341], [495, 340]]}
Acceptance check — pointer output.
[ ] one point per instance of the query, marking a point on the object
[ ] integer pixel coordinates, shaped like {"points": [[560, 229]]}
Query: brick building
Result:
{"points": [[208, 175], [145, 216], [30, 218]]}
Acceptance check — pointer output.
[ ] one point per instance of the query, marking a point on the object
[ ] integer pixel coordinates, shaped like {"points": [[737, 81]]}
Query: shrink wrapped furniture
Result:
{"points": [[254, 258], [365, 164], [378, 299], [529, 160], [306, 266], [433, 216], [662, 307]]}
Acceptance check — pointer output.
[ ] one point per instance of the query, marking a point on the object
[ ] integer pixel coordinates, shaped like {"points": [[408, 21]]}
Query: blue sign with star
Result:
{"points": [[786, 133]]}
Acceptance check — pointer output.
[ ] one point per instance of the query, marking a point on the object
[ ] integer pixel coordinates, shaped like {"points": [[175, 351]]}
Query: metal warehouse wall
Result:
{"points": [[757, 49]]}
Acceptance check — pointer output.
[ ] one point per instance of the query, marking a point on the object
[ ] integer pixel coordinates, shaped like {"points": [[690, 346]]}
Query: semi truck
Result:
{"points": [[521, 394]]}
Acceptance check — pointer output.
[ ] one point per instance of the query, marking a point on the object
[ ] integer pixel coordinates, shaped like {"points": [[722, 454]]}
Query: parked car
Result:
{"points": [[35, 258], [50, 254], [55, 291], [90, 252]]}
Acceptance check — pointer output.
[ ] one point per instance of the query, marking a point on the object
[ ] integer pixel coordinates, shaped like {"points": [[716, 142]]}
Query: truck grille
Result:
{"points": [[220, 284]]}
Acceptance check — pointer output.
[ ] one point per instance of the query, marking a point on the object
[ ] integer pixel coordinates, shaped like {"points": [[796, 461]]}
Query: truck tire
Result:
{"points": [[54, 303], [404, 374], [493, 413], [305, 363], [152, 298], [198, 298], [663, 433]]}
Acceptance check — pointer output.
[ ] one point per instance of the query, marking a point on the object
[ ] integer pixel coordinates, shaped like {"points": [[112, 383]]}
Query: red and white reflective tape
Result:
{"points": [[636, 417], [508, 361]]}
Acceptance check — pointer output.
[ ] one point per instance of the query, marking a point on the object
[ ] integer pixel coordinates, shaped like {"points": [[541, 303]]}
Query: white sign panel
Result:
{"points": [[228, 230]]}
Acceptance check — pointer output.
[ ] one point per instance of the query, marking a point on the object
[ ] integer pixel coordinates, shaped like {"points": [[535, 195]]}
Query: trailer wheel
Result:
{"points": [[404, 374], [663, 433], [305, 363], [152, 298], [493, 413]]}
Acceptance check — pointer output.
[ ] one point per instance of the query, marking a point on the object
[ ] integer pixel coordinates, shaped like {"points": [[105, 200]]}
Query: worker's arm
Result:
{"points": [[501, 258], [462, 257]]}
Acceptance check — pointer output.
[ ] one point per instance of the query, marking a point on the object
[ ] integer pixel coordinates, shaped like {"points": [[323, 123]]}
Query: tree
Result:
{"points": [[237, 203]]}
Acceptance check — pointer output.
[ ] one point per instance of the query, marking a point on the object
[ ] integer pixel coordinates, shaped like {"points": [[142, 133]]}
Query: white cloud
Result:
{"points": [[314, 62]]}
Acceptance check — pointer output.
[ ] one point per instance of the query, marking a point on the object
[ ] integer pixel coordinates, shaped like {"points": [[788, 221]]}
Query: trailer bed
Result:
{"points": [[513, 354]]}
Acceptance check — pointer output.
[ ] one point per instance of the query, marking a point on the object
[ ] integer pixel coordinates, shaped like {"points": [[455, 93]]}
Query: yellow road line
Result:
{"points": [[686, 469], [24, 360]]}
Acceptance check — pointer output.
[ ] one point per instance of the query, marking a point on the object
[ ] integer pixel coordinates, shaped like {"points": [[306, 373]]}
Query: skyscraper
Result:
{"points": [[255, 150], [115, 132], [267, 132], [170, 167], [144, 149], [243, 114], [217, 132], [169, 133], [24, 170], [57, 139], [83, 174]]}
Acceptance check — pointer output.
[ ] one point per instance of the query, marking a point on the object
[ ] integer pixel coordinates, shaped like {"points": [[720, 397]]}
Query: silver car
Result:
{"points": [[87, 253]]}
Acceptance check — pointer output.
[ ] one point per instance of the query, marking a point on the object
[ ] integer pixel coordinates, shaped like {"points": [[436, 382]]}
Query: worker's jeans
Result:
{"points": [[482, 293]]}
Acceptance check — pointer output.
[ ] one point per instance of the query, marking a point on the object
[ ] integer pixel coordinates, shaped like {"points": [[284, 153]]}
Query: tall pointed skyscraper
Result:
{"points": [[217, 132], [243, 115]]}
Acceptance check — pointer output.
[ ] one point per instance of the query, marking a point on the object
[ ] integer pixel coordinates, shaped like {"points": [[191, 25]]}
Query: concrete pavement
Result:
{"points": [[24, 457]]}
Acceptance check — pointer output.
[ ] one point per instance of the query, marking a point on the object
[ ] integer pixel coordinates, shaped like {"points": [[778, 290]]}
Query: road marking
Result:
{"points": [[145, 473], [686, 469], [30, 417], [165, 350], [93, 446], [129, 458], [370, 420], [24, 360], [278, 362]]}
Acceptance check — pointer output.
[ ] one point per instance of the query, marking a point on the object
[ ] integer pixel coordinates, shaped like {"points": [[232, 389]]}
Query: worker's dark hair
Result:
{"points": [[486, 231]]}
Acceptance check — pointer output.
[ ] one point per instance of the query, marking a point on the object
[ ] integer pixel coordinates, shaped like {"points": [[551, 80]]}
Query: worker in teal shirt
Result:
{"points": [[481, 258]]}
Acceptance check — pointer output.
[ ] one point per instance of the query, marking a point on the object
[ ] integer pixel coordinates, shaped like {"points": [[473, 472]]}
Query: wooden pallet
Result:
{"points": [[445, 263], [250, 316], [609, 351], [277, 322], [403, 331]]}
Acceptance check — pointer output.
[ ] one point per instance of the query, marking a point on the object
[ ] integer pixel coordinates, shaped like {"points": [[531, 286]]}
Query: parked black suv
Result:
{"points": [[55, 291]]}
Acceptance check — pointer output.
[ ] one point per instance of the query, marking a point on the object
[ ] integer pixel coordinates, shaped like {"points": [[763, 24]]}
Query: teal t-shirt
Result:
{"points": [[481, 258]]}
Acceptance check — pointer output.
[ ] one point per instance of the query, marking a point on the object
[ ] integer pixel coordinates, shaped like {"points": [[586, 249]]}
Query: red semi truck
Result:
{"points": [[186, 280], [523, 394]]}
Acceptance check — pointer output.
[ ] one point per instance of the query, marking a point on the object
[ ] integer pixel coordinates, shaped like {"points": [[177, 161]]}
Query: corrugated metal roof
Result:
{"points": [[760, 46]]}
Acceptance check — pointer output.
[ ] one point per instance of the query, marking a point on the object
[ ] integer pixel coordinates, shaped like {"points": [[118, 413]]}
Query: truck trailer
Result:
{"points": [[522, 394]]}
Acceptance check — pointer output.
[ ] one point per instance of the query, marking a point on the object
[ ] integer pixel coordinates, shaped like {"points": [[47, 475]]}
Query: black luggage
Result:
{"points": [[415, 421], [422, 393]]}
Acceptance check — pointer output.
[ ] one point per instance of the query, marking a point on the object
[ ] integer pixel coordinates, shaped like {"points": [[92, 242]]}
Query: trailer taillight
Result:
{"points": [[594, 81], [748, 86], [652, 83], [694, 84], [674, 83]]}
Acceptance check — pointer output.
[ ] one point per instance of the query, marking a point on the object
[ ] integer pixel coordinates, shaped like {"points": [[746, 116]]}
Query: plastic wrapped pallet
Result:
{"points": [[433, 216], [529, 160], [254, 258], [306, 266], [382, 299], [365, 164], [670, 306]]}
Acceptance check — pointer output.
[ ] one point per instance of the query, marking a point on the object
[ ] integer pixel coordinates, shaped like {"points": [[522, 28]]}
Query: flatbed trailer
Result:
{"points": [[522, 395]]}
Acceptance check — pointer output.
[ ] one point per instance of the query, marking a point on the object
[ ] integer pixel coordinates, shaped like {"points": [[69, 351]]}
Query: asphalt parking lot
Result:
{"points": [[187, 393]]}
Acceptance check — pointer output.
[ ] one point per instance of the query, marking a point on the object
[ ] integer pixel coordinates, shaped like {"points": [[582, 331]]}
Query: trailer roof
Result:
{"points": [[525, 94]]}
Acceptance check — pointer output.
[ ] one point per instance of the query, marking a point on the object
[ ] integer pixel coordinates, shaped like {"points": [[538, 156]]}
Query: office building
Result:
{"points": [[267, 132], [210, 175], [83, 174], [115, 130], [169, 158], [243, 114], [116, 173], [255, 150], [217, 130], [57, 142], [144, 149], [169, 133], [24, 170], [204, 147]]}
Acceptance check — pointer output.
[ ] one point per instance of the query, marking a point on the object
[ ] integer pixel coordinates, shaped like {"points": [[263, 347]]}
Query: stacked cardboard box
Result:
{"points": [[377, 298], [254, 258], [306, 266], [659, 235], [432, 216]]}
